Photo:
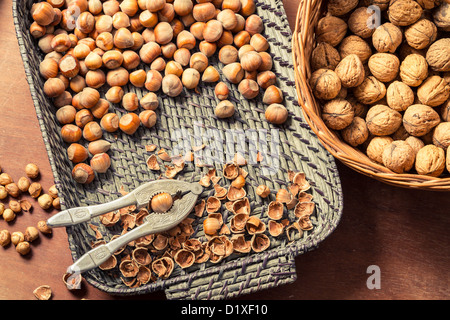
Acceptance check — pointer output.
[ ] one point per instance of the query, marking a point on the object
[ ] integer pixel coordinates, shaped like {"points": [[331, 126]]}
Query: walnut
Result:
{"points": [[370, 90], [351, 71], [404, 12], [413, 70], [324, 56], [430, 161], [415, 143], [387, 37], [325, 84], [376, 147], [355, 45], [438, 55], [341, 7], [356, 133], [382, 120], [405, 50], [384, 66], [446, 77], [448, 160], [359, 108], [400, 133], [331, 30], [360, 22], [441, 135], [445, 111], [399, 96], [398, 156], [441, 16], [420, 119], [421, 34], [337, 114], [429, 4], [382, 4], [434, 91]]}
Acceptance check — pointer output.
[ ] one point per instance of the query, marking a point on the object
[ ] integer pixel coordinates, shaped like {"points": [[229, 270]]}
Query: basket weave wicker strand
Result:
{"points": [[298, 150], [303, 42]]}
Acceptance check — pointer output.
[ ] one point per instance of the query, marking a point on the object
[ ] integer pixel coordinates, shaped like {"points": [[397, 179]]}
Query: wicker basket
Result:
{"points": [[299, 150], [309, 13]]}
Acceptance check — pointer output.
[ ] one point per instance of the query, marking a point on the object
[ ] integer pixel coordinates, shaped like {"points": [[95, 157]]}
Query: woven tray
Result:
{"points": [[308, 14], [299, 150]]}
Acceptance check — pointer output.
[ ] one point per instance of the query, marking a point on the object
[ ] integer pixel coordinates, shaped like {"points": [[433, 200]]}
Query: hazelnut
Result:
{"points": [[199, 61], [43, 227], [331, 30], [430, 161], [324, 56], [14, 205], [212, 31], [376, 147], [382, 120], [263, 191], [5, 238], [399, 96], [35, 189], [149, 52], [100, 162], [254, 24], [273, 94], [355, 133], [172, 85], [228, 54], [434, 91], [337, 114], [77, 153], [420, 119], [109, 122], [149, 101], [45, 201], [413, 70], [233, 72], [17, 237], [398, 156], [153, 81], [114, 94], [325, 84], [118, 77], [148, 118], [23, 247], [370, 90], [221, 91], [203, 11], [31, 234], [438, 55], [43, 13], [251, 61], [387, 37], [129, 123], [224, 109], [99, 146], [190, 78], [384, 66], [92, 131], [54, 87], [351, 71], [404, 12], [82, 173], [276, 113], [248, 88], [8, 215]]}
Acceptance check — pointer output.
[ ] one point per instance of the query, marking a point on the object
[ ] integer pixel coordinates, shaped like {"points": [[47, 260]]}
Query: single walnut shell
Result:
{"points": [[387, 37], [384, 66], [324, 56], [355, 45], [421, 34], [370, 90], [360, 22], [341, 7], [356, 133], [399, 96], [382, 120], [434, 91], [325, 84], [438, 55], [376, 147], [404, 12], [331, 30], [430, 161], [420, 119], [441, 16], [351, 71], [413, 70], [337, 114], [441, 135], [415, 143], [398, 157]]}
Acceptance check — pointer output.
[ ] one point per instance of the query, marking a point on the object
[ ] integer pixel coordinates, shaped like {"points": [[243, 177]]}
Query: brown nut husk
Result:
{"points": [[430, 161], [128, 268], [241, 206], [324, 56], [325, 84], [260, 242], [434, 91], [275, 228], [419, 119], [163, 267], [370, 90], [141, 256], [404, 12], [413, 70], [356, 133], [399, 157], [384, 66], [275, 210], [399, 96], [351, 71], [382, 120], [184, 258], [441, 135], [337, 114], [240, 244], [376, 147]]}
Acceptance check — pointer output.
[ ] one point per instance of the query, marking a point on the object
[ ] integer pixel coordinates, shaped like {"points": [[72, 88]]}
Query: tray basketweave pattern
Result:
{"points": [[308, 14], [298, 149]]}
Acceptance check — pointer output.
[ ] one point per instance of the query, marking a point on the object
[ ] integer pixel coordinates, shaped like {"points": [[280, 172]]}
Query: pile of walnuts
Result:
{"points": [[381, 72]]}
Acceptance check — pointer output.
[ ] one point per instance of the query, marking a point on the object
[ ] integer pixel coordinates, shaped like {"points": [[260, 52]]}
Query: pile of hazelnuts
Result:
{"points": [[160, 45]]}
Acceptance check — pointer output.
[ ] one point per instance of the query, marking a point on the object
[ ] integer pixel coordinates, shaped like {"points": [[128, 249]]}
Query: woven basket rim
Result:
{"points": [[302, 44]]}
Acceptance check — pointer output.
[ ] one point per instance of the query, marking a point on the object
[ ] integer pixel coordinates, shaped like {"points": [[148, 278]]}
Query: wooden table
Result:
{"points": [[403, 232]]}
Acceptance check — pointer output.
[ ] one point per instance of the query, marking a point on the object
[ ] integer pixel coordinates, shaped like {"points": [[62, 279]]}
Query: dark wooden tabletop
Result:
{"points": [[402, 233]]}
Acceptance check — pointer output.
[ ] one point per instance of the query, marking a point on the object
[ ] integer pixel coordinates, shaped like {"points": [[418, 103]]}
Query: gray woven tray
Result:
{"points": [[299, 150]]}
